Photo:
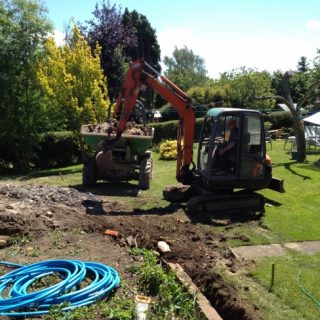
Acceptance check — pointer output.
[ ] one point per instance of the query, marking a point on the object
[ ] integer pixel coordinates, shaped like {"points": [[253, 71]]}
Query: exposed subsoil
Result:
{"points": [[64, 222]]}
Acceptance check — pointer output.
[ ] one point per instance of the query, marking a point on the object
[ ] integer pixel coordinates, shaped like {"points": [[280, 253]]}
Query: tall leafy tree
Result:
{"points": [[185, 68], [24, 26], [244, 85], [209, 95], [147, 46], [303, 65], [73, 82], [107, 29], [300, 79], [299, 89]]}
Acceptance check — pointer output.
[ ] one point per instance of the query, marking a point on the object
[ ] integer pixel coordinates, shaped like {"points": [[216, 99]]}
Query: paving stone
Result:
{"points": [[270, 250], [304, 247]]}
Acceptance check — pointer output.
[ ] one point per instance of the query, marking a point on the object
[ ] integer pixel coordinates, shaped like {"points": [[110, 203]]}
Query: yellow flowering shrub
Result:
{"points": [[168, 150]]}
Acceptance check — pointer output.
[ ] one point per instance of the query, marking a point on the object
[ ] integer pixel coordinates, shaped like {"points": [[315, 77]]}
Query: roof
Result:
{"points": [[314, 119], [215, 112], [284, 107]]}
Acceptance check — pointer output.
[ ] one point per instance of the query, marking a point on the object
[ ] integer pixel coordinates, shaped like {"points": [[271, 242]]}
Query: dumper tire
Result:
{"points": [[145, 173], [89, 173]]}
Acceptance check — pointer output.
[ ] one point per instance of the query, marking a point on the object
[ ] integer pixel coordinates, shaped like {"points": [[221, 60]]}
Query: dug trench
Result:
{"points": [[43, 212]]}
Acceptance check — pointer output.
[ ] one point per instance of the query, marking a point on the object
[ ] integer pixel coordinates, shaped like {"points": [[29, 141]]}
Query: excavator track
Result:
{"points": [[201, 201], [226, 203]]}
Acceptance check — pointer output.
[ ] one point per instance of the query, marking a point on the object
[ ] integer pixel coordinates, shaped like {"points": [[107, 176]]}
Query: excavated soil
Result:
{"points": [[131, 128], [64, 222]]}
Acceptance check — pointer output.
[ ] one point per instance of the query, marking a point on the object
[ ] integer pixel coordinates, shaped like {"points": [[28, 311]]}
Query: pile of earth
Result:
{"points": [[32, 209], [131, 128], [44, 195]]}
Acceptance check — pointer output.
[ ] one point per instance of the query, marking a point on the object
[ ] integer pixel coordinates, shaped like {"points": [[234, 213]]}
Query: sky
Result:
{"points": [[263, 34]]}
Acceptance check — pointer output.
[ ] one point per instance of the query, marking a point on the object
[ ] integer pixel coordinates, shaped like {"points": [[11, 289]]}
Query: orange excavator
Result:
{"points": [[231, 163]]}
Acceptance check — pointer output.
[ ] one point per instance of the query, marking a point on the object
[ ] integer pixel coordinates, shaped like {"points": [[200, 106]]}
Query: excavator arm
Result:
{"points": [[137, 77]]}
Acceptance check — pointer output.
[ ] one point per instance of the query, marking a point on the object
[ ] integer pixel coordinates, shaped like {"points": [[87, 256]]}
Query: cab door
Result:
{"points": [[252, 148]]}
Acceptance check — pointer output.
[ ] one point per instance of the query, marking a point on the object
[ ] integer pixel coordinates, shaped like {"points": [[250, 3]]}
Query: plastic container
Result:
{"points": [[294, 155], [141, 307]]}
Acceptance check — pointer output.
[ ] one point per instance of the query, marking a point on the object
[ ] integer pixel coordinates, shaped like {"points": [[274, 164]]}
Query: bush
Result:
{"points": [[267, 125], [168, 130], [7, 152], [170, 113], [57, 149], [280, 119], [168, 150]]}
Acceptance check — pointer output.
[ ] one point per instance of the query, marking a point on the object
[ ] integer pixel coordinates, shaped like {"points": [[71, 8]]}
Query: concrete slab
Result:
{"points": [[270, 250], [307, 247]]}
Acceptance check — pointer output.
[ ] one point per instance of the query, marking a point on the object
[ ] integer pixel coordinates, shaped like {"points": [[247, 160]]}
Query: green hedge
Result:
{"points": [[57, 149], [170, 113], [280, 119], [168, 130]]}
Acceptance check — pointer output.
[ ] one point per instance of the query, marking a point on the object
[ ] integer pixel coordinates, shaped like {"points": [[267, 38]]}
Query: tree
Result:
{"points": [[303, 65], [24, 26], [208, 95], [295, 110], [185, 68], [73, 82], [147, 46], [244, 85], [300, 80], [107, 29]]}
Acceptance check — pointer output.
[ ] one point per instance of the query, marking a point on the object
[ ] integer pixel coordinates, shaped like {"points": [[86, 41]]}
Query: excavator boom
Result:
{"points": [[137, 77]]}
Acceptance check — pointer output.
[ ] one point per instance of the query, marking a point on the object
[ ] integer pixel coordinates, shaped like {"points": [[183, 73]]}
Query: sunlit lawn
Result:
{"points": [[292, 216], [295, 289]]}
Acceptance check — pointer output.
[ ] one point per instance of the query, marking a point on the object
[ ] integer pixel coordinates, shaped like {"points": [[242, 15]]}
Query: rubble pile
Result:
{"points": [[131, 128], [45, 195]]}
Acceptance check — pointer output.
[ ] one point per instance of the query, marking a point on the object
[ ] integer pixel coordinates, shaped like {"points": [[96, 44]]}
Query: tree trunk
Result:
{"points": [[300, 139]]}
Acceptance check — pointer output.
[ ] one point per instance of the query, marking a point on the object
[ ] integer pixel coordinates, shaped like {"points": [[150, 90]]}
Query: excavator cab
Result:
{"points": [[232, 152]]}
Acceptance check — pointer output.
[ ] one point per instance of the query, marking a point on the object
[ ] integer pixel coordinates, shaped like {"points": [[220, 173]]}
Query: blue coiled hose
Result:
{"points": [[16, 301]]}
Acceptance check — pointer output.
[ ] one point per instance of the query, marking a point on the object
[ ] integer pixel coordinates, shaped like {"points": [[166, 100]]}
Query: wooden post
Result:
{"points": [[272, 276]]}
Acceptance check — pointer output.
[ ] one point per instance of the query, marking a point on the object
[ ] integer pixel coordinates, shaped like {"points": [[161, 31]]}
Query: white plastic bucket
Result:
{"points": [[142, 306]]}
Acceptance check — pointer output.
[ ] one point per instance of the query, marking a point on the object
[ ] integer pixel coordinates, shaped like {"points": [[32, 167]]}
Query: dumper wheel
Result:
{"points": [[89, 173], [145, 173]]}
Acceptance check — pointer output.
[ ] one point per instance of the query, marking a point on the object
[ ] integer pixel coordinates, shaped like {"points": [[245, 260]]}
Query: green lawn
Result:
{"points": [[292, 216], [291, 273], [297, 216]]}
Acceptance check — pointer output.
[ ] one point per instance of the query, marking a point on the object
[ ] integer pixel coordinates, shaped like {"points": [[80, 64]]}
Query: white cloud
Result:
{"points": [[223, 52], [59, 37], [176, 37], [313, 25]]}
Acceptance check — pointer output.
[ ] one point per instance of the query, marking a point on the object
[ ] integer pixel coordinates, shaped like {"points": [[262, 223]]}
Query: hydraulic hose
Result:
{"points": [[18, 300], [305, 291]]}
